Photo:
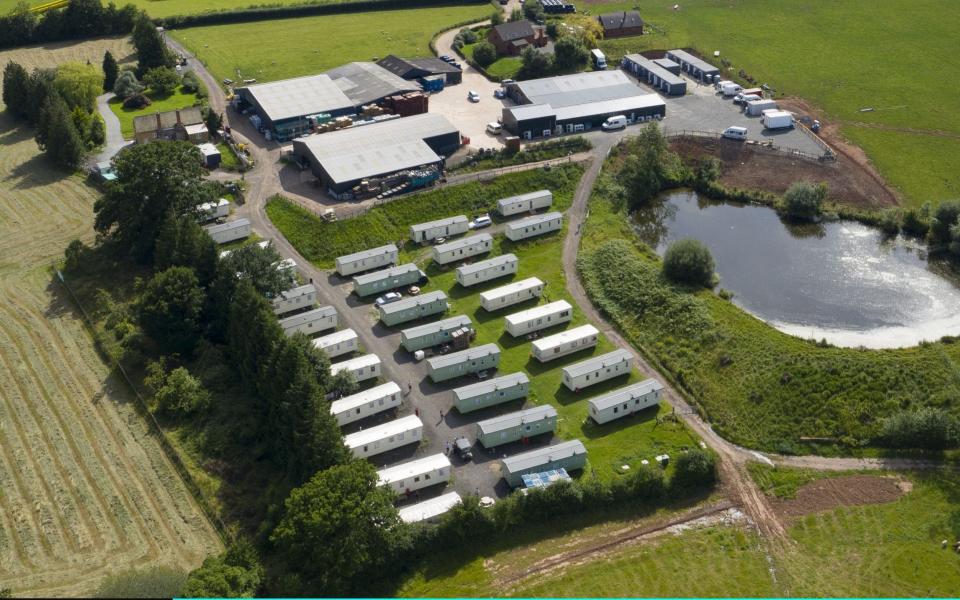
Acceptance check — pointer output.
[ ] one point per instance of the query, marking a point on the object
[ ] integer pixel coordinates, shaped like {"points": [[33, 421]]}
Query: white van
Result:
{"points": [[735, 133], [494, 128], [615, 122], [729, 88]]}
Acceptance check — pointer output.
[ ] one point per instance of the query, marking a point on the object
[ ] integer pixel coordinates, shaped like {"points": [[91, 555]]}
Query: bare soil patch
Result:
{"points": [[833, 492]]}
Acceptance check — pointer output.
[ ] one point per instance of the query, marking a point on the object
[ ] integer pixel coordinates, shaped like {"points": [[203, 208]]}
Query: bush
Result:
{"points": [[137, 101], [926, 428], [695, 470], [468, 36], [181, 394], [154, 582], [570, 53], [890, 221], [161, 80], [804, 200], [689, 262], [484, 54], [127, 85]]}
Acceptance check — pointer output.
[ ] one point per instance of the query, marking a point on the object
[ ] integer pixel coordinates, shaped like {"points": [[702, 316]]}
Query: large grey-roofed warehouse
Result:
{"points": [[292, 98], [367, 83], [579, 88]]}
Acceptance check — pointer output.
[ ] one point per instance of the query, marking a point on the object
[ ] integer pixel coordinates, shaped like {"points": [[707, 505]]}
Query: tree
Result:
{"points": [[252, 329], [707, 171], [191, 84], [927, 428], [533, 10], [236, 573], [212, 119], [151, 51], [39, 90], [73, 256], [110, 71], [181, 394], [151, 582], [57, 134], [162, 81], [570, 53], [98, 132], [945, 216], [467, 35], [181, 242], [695, 469], [484, 54], [258, 265], [643, 172], [169, 310], [890, 221], [496, 18], [916, 221], [535, 62], [127, 85], [79, 84], [16, 89], [688, 262], [516, 15], [804, 200]]}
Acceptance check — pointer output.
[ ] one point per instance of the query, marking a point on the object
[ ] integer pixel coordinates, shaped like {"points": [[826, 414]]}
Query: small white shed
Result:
{"points": [[461, 249], [485, 270], [565, 342], [534, 226], [596, 369], [338, 343], [416, 474], [510, 294], [522, 203], [362, 367], [310, 322], [303, 296], [231, 231], [625, 401], [429, 510], [386, 437], [540, 317], [366, 403], [431, 230], [374, 258]]}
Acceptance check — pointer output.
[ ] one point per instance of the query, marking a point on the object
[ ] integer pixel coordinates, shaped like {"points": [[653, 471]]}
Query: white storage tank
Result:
{"points": [[302, 296], [338, 343], [596, 369], [230, 231], [429, 510], [461, 249], [512, 293], [565, 342], [367, 260], [431, 230], [416, 474], [540, 317], [625, 401], [522, 203], [310, 322], [534, 226], [486, 270], [386, 437], [363, 367], [367, 403]]}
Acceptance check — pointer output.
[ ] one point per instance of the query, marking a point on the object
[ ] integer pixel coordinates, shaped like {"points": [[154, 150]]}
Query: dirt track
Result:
{"points": [[833, 492]]}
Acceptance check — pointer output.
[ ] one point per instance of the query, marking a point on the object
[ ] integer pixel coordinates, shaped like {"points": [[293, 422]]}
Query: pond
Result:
{"points": [[840, 281]]}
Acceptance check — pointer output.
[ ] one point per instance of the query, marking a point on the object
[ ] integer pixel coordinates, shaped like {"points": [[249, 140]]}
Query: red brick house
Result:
{"points": [[511, 38], [621, 24]]}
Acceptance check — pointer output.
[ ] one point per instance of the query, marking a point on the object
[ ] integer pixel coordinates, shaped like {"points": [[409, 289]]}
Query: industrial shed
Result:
{"points": [[571, 455], [694, 66], [461, 249], [231, 231], [368, 83], [599, 368], [418, 68], [565, 342], [491, 392], [387, 279], [411, 309], [367, 260], [282, 107], [457, 364], [517, 426], [310, 322], [540, 317], [431, 230], [363, 367], [338, 343], [366, 403], [429, 510], [512, 293], [522, 203], [654, 74], [416, 474], [625, 401], [303, 296], [386, 437], [534, 226], [486, 270], [432, 334]]}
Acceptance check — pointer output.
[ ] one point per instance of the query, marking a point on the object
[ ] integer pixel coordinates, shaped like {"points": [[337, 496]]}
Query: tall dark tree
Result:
{"points": [[642, 174], [945, 216], [181, 242], [16, 89], [259, 266], [110, 71], [170, 308], [212, 119], [234, 574], [85, 18], [570, 53], [690, 262], [252, 331], [18, 27], [40, 88], [57, 134], [151, 51]]}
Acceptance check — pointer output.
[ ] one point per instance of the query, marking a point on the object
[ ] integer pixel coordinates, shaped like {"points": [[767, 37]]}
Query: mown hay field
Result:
{"points": [[85, 491]]}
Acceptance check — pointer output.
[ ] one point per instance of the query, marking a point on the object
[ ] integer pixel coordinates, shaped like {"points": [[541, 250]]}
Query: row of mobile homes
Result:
{"points": [[416, 474], [338, 343], [565, 342], [427, 232], [516, 426], [485, 270], [375, 258], [541, 317], [491, 392], [625, 401], [465, 362], [510, 294], [385, 280], [367, 403], [429, 510], [300, 297], [386, 437], [599, 368], [209, 211], [432, 334], [571, 455], [310, 322], [362, 368], [529, 202], [231, 231], [534, 226], [411, 309], [461, 249]]}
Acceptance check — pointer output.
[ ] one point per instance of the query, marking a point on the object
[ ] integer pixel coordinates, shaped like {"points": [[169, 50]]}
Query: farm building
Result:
{"points": [[540, 317], [431, 230], [755, 108], [185, 124], [599, 368], [515, 426], [429, 510], [522, 203], [557, 6], [342, 159], [416, 474], [387, 279], [338, 343], [534, 226], [457, 364], [621, 23], [693, 66], [366, 403], [649, 71], [211, 155], [386, 437], [461, 249], [510, 294], [432, 334], [625, 401], [570, 455], [411, 309], [208, 211], [491, 392], [367, 260], [231, 231], [363, 367], [485, 270], [419, 68], [303, 296], [310, 322], [565, 342], [667, 64], [511, 38]]}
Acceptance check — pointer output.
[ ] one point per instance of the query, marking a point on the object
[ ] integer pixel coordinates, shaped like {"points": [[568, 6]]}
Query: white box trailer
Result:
{"points": [[303, 296], [485, 270], [529, 202], [367, 260], [384, 280], [310, 322], [596, 369], [432, 334], [457, 364], [416, 474], [362, 367], [429, 510], [208, 211], [756, 107], [367, 403], [338, 343], [776, 119], [515, 426], [431, 230], [512, 293], [540, 317], [625, 401], [534, 226], [386, 437], [461, 249], [231, 231], [565, 342]]}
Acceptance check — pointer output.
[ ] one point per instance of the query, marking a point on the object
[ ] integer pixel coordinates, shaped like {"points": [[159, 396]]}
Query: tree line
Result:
{"points": [[79, 19]]}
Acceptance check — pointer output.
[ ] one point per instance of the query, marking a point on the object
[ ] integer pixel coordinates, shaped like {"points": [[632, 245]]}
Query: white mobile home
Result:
{"points": [[528, 202], [376, 282], [625, 401], [230, 231], [367, 403], [310, 322], [534, 226], [599, 368], [427, 232], [461, 249], [432, 334], [416, 474], [565, 342], [457, 364], [541, 317], [411, 309], [491, 392], [338, 343], [287, 264], [363, 367], [208, 211], [510, 294], [375, 258], [516, 426], [485, 270], [386, 437], [303, 296], [571, 455], [429, 510]]}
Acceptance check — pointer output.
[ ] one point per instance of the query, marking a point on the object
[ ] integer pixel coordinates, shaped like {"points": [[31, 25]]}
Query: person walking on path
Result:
{"points": [[441, 418]]}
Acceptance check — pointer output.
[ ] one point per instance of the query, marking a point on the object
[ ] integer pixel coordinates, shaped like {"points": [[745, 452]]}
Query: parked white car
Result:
{"points": [[472, 96], [388, 298], [494, 128], [481, 222]]}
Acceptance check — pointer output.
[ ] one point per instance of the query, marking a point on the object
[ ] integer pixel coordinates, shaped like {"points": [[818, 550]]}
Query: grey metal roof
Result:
{"points": [[491, 385], [384, 431], [525, 197], [300, 290], [666, 63], [407, 67], [228, 225], [455, 358], [525, 112], [625, 394], [578, 88], [434, 65], [597, 362], [372, 252], [515, 419], [612, 106], [438, 223], [466, 242], [534, 220], [655, 68], [311, 315], [299, 97], [535, 458], [385, 274], [693, 60], [496, 261], [514, 30], [516, 286], [367, 82], [431, 328], [408, 303]]}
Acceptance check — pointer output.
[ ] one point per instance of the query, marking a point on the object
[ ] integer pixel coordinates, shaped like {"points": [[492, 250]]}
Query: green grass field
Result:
{"points": [[178, 99], [166, 8], [505, 67]]}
